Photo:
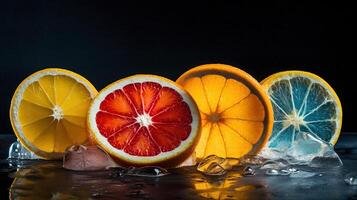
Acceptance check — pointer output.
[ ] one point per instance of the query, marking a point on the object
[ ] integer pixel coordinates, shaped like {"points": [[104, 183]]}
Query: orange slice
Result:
{"points": [[48, 111], [145, 120], [237, 116]]}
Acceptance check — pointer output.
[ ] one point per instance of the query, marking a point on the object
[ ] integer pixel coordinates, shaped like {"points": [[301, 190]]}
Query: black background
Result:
{"points": [[106, 41]]}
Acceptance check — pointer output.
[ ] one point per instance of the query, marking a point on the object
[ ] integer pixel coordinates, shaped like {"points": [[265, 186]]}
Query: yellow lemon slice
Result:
{"points": [[48, 111]]}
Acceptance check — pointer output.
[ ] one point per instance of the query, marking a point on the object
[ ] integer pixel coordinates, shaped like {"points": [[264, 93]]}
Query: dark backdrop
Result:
{"points": [[108, 41]]}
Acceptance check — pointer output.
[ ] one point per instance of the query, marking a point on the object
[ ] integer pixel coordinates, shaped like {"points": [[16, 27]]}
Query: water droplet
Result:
{"points": [[351, 178], [284, 172], [272, 172], [281, 171], [292, 169], [248, 171]]}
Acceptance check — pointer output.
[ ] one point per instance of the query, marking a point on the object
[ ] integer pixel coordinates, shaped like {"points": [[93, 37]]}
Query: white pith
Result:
{"points": [[294, 119], [57, 112], [143, 120]]}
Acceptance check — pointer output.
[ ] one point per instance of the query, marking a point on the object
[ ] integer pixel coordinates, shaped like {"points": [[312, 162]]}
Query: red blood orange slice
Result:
{"points": [[145, 120]]}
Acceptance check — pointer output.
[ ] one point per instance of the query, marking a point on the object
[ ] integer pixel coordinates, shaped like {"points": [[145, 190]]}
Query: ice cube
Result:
{"points": [[329, 159], [215, 169], [306, 147], [17, 151], [351, 178], [211, 165], [271, 153], [87, 158], [326, 162], [214, 165]]}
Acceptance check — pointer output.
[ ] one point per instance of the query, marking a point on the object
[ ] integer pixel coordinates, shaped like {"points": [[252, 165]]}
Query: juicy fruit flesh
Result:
{"points": [[144, 119], [52, 113], [232, 115], [301, 104]]}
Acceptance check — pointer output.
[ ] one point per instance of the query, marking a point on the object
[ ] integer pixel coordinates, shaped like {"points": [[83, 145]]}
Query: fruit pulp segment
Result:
{"points": [[144, 119], [215, 142], [41, 99], [213, 85], [232, 116]]}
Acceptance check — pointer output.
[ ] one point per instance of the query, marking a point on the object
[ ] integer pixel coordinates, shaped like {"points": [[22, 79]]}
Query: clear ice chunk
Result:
{"points": [[215, 169], [17, 151], [306, 147], [87, 158], [214, 165], [330, 159], [306, 150], [351, 178]]}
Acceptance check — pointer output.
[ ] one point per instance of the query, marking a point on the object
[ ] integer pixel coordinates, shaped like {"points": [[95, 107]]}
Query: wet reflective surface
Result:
{"points": [[48, 180]]}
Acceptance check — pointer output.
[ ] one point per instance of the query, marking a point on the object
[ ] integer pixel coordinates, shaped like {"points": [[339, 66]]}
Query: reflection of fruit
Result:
{"points": [[227, 187], [48, 111], [217, 189], [302, 101], [236, 113], [145, 120]]}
